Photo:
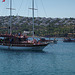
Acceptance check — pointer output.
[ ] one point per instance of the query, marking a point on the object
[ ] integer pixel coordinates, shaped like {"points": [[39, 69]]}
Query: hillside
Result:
{"points": [[43, 26]]}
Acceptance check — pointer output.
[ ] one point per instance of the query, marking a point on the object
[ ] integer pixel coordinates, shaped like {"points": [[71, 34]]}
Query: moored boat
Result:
{"points": [[68, 40], [48, 41], [20, 42]]}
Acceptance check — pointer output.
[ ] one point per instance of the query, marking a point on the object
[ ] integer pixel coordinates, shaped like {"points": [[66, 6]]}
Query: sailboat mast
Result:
{"points": [[33, 15], [10, 16]]}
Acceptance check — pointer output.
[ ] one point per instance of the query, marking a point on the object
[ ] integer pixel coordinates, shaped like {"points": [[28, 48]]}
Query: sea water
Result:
{"points": [[55, 59]]}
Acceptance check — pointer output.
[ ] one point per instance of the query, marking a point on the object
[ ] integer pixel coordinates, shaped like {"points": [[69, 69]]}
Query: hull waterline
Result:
{"points": [[22, 48]]}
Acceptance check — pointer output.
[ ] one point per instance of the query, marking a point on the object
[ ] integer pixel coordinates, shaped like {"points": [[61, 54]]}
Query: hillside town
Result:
{"points": [[42, 24]]}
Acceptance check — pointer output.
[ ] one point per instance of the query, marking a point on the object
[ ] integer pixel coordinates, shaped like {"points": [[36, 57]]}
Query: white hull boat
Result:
{"points": [[33, 47], [13, 42]]}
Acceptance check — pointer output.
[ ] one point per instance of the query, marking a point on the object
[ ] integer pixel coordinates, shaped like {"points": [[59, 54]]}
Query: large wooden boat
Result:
{"points": [[19, 42]]}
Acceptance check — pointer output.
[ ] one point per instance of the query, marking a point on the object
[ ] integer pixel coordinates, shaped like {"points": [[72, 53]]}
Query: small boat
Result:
{"points": [[48, 41], [55, 41], [20, 42], [68, 40]]}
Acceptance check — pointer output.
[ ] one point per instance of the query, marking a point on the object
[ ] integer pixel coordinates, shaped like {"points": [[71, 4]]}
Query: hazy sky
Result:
{"points": [[46, 8]]}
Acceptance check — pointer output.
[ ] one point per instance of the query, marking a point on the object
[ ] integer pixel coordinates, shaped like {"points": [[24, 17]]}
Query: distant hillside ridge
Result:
{"points": [[38, 20], [43, 26]]}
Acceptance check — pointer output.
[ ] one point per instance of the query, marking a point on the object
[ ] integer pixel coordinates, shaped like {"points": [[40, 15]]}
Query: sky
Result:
{"points": [[46, 8]]}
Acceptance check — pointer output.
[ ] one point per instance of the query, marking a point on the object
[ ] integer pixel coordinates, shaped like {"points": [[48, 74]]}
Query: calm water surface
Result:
{"points": [[55, 59]]}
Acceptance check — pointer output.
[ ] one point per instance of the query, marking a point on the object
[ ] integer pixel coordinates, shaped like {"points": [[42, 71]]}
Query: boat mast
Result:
{"points": [[33, 16], [10, 22], [10, 16], [10, 30]]}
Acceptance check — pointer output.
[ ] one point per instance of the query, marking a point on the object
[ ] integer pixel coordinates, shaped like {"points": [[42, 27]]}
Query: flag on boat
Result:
{"points": [[3, 1]]}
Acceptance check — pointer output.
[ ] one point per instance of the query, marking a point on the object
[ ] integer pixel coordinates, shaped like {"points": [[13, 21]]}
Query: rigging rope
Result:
{"points": [[20, 7], [37, 8], [44, 8], [28, 8]]}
